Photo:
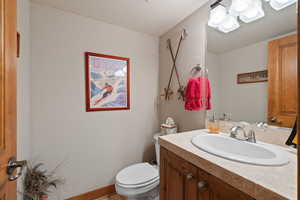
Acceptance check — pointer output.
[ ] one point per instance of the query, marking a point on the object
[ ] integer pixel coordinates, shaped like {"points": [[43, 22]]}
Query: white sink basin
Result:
{"points": [[242, 151]]}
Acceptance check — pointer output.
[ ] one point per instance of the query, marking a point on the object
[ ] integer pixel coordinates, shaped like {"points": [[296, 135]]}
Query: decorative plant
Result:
{"points": [[39, 182]]}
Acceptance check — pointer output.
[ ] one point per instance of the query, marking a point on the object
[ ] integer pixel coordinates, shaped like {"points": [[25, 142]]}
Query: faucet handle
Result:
{"points": [[235, 130], [251, 136]]}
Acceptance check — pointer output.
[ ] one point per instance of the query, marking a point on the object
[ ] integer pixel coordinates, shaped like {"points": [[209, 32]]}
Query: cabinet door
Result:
{"points": [[204, 192], [178, 178], [283, 81], [212, 188]]}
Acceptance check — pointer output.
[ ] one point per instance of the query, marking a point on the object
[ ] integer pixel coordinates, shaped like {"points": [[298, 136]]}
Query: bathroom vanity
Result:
{"points": [[189, 173]]}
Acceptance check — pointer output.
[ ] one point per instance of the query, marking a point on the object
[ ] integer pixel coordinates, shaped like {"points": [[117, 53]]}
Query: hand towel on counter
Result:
{"points": [[198, 94]]}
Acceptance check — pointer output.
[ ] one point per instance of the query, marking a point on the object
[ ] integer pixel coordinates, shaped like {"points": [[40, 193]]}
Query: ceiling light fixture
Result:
{"points": [[217, 16], [239, 6], [229, 24], [246, 10], [281, 4], [255, 12]]}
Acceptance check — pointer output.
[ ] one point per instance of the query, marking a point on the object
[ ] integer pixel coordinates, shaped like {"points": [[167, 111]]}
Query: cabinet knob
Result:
{"points": [[202, 185], [189, 176]]}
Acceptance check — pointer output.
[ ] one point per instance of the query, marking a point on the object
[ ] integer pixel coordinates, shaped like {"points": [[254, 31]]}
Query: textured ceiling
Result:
{"points": [[153, 17]]}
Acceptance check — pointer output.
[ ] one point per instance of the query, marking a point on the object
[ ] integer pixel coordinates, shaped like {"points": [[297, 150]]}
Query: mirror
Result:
{"points": [[252, 69]]}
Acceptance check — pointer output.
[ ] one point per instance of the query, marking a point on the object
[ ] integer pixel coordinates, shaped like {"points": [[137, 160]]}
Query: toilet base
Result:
{"points": [[153, 194]]}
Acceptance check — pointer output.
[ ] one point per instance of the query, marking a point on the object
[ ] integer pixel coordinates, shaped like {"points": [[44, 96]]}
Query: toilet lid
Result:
{"points": [[137, 174]]}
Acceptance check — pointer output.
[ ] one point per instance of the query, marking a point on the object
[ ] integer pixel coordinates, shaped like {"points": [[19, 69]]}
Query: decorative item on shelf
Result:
{"points": [[38, 182], [169, 127], [252, 77], [227, 19], [107, 82], [167, 91]]}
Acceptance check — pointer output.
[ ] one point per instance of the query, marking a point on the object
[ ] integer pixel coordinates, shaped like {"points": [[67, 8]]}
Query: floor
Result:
{"points": [[111, 197]]}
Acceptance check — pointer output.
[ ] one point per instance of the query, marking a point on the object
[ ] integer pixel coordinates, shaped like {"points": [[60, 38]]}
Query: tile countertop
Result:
{"points": [[260, 182]]}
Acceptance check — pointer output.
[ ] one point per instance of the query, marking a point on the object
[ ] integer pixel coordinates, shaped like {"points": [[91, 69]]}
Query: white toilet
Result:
{"points": [[140, 181]]}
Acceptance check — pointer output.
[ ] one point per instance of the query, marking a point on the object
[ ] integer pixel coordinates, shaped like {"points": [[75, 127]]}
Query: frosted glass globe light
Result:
{"points": [[239, 6], [217, 15], [229, 24], [282, 1], [255, 12], [281, 4]]}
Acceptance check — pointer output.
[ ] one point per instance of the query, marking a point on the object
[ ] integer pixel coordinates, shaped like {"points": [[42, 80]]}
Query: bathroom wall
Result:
{"points": [[91, 147], [213, 66], [192, 52], [246, 102], [23, 83]]}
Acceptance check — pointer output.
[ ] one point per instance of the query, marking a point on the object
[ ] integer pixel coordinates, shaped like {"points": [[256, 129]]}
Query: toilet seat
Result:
{"points": [[139, 185], [130, 192], [137, 176]]}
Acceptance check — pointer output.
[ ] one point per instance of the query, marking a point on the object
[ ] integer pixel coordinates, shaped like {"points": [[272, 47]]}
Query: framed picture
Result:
{"points": [[253, 77], [107, 82]]}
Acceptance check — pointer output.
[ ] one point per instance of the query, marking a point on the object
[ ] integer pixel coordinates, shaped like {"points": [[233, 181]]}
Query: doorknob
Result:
{"points": [[14, 165], [275, 120], [202, 185], [189, 176]]}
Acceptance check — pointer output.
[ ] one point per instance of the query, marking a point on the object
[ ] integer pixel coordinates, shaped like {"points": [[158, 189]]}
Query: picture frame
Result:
{"points": [[252, 77], [107, 82]]}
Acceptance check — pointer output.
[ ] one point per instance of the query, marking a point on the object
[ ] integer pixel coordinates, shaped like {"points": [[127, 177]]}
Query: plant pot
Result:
{"points": [[44, 197]]}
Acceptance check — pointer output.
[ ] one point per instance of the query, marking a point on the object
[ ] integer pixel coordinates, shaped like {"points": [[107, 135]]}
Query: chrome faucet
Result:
{"points": [[250, 137], [234, 131]]}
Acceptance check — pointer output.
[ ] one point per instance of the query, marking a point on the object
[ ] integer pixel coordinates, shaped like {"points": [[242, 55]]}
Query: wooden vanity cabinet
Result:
{"points": [[180, 180]]}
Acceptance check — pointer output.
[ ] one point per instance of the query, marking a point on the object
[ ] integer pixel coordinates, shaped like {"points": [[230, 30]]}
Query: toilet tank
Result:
{"points": [[157, 146]]}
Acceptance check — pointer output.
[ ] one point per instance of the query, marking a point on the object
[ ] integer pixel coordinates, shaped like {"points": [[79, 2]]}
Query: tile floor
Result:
{"points": [[111, 197]]}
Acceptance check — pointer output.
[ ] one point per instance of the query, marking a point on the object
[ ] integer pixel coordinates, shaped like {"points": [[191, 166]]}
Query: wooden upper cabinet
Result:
{"points": [[282, 69]]}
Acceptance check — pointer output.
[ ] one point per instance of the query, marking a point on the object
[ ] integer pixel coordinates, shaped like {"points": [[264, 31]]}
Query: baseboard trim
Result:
{"points": [[92, 195]]}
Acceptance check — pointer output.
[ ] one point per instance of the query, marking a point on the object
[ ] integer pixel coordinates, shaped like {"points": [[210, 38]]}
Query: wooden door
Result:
{"points": [[8, 42], [178, 178], [282, 105]]}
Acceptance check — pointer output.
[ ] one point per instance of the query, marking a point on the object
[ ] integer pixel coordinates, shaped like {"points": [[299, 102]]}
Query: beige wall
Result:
{"points": [[94, 146], [191, 53], [213, 66], [23, 81], [245, 102]]}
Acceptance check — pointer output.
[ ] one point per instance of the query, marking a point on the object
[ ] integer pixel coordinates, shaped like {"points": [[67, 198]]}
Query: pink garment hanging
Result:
{"points": [[195, 97]]}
